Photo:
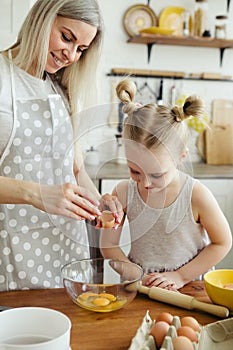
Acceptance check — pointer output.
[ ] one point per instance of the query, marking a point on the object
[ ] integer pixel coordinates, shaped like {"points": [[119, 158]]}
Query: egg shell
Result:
{"points": [[107, 219], [187, 332], [190, 322], [164, 316], [182, 343], [159, 331]]}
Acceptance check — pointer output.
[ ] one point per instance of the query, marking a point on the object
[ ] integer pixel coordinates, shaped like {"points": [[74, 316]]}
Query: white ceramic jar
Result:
{"points": [[34, 328]]}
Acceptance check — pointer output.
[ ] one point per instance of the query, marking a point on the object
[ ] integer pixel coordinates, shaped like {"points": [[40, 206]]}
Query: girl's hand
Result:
{"points": [[110, 202], [167, 280], [69, 200]]}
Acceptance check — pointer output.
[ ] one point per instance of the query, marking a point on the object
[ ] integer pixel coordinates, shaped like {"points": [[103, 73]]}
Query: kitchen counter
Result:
{"points": [[104, 331], [112, 170]]}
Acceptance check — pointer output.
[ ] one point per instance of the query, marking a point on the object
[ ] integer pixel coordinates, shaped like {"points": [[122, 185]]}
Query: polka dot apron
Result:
{"points": [[33, 244]]}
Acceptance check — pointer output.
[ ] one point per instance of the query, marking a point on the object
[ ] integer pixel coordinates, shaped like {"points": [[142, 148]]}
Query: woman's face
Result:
{"points": [[69, 38]]}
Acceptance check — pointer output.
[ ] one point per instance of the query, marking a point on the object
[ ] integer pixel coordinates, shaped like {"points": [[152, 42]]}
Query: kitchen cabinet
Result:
{"points": [[222, 189]]}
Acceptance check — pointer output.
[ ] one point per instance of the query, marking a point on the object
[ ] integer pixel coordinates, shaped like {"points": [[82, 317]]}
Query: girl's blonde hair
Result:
{"points": [[33, 43], [152, 124]]}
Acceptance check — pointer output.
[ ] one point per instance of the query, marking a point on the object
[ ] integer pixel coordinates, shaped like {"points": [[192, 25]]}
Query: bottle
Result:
{"points": [[201, 17]]}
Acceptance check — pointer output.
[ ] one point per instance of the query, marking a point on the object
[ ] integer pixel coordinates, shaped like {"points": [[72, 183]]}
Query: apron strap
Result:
{"points": [[7, 149]]}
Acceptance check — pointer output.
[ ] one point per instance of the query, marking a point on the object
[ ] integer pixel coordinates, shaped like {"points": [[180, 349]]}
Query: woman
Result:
{"points": [[46, 194]]}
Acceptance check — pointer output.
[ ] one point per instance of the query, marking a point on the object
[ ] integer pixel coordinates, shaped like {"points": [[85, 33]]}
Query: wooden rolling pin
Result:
{"points": [[183, 300]]}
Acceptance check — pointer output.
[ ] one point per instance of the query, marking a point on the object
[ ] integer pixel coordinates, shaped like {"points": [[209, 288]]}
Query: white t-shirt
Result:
{"points": [[32, 87]]}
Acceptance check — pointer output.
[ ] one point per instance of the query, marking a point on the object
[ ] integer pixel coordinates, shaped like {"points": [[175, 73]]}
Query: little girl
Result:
{"points": [[177, 229]]}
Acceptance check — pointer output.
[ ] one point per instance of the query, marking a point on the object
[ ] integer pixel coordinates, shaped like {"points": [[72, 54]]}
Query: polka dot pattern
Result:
{"points": [[34, 245]]}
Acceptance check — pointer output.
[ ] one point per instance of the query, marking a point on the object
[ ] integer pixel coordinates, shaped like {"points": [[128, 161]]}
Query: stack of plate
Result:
{"points": [[140, 19]]}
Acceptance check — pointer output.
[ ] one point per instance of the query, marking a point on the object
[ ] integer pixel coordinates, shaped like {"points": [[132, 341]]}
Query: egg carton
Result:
{"points": [[215, 336]]}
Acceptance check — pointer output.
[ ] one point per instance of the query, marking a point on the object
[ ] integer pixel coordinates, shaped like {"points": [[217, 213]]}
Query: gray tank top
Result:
{"points": [[164, 239]]}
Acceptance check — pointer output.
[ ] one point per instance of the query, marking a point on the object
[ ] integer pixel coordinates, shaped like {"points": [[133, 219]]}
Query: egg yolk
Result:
{"points": [[102, 302]]}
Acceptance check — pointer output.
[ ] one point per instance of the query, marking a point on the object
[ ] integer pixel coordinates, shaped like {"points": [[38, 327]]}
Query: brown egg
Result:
{"points": [[188, 332], [182, 343], [159, 331], [107, 219], [190, 322], [164, 316]]}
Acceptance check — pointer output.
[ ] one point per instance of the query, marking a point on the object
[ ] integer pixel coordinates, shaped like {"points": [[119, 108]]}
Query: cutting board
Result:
{"points": [[222, 112], [219, 144], [215, 144]]}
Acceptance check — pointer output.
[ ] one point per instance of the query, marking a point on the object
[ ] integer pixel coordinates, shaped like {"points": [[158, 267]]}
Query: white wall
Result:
{"points": [[12, 15], [118, 53]]}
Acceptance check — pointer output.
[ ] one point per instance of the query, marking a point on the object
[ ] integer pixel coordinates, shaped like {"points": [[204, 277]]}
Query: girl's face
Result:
{"points": [[69, 38], [153, 170]]}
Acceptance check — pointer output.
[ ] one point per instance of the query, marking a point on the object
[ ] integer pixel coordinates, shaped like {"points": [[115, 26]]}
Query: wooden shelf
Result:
{"points": [[151, 39], [181, 40], [174, 77], [161, 74]]}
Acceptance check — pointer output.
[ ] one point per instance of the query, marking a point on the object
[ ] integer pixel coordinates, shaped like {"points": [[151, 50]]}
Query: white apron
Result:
{"points": [[33, 244]]}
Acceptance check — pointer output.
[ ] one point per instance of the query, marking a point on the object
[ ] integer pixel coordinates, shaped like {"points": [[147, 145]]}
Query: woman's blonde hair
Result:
{"points": [[152, 124], [33, 43]]}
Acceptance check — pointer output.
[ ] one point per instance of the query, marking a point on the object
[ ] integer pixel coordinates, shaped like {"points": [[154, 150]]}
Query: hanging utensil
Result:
{"points": [[160, 94]]}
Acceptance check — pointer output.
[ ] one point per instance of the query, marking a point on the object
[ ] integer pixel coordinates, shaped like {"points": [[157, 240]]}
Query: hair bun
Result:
{"points": [[178, 113], [126, 91], [129, 108], [193, 107]]}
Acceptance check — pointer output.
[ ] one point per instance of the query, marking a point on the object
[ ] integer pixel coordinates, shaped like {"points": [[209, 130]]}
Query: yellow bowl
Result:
{"points": [[219, 287]]}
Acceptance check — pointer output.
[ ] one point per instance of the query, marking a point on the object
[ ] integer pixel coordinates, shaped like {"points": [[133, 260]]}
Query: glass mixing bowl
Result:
{"points": [[101, 285]]}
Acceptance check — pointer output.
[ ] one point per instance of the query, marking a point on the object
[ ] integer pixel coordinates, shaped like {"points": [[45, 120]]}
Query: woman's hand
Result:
{"points": [[69, 200], [110, 202], [167, 280]]}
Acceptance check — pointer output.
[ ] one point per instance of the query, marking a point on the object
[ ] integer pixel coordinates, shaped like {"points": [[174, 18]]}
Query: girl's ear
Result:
{"points": [[184, 154]]}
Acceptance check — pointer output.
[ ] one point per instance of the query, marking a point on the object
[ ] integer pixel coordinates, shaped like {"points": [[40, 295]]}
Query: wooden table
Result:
{"points": [[104, 331]]}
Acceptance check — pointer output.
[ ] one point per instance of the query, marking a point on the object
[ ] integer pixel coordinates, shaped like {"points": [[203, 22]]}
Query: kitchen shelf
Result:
{"points": [[156, 74], [151, 39]]}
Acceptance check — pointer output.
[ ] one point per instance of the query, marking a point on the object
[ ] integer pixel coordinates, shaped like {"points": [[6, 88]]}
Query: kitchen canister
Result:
{"points": [[221, 26], [34, 328]]}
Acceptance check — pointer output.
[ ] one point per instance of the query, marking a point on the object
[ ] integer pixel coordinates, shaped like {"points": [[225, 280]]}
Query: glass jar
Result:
{"points": [[221, 26], [201, 17]]}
